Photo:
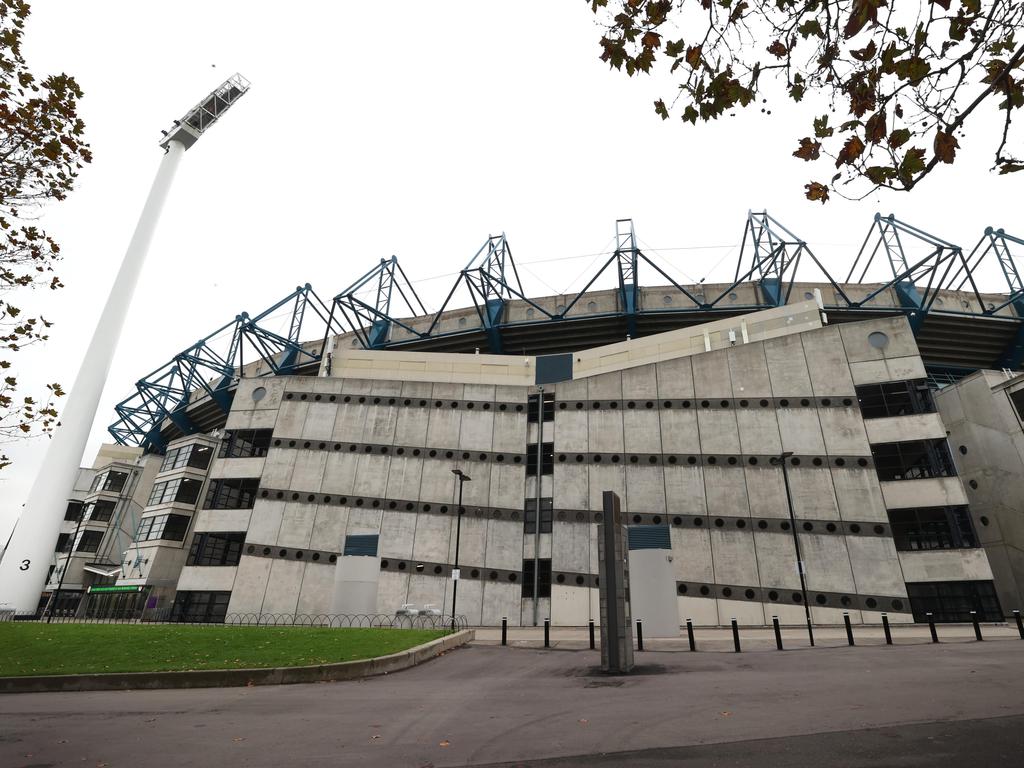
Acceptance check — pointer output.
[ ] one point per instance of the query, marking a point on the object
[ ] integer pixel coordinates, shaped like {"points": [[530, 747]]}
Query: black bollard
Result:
{"points": [[885, 628], [735, 636], [504, 630], [931, 626], [778, 632], [977, 626], [591, 627], [1020, 624], [547, 633], [849, 629], [693, 643], [639, 635]]}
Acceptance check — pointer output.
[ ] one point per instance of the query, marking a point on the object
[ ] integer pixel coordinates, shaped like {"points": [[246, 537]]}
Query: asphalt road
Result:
{"points": [[921, 705]]}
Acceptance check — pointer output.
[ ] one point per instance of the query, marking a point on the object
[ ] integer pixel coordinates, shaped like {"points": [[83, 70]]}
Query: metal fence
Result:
{"points": [[327, 620]]}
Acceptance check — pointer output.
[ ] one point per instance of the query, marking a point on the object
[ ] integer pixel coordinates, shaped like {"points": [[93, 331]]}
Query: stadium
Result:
{"points": [[775, 440]]}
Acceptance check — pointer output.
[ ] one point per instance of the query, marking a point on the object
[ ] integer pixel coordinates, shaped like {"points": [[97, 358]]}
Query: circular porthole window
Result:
{"points": [[529, 312], [462, 322], [258, 394], [808, 295], [591, 306], [666, 299], [878, 340]]}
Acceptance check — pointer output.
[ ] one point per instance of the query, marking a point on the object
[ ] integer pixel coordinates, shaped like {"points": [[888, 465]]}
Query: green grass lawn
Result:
{"points": [[65, 649]]}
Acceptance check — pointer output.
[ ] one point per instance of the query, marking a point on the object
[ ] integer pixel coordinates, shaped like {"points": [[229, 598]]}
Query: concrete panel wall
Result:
{"points": [[812, 365]]}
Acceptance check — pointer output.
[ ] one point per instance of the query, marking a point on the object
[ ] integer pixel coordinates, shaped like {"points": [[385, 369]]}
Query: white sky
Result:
{"points": [[409, 128]]}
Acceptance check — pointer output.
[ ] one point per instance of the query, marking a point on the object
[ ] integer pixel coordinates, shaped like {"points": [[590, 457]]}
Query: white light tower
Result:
{"points": [[25, 562]]}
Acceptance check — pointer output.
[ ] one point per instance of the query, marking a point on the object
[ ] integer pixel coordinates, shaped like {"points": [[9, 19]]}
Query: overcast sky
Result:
{"points": [[404, 128]]}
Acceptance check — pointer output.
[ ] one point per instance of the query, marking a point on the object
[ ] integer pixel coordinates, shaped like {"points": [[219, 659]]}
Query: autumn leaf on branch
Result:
{"points": [[895, 72], [809, 149], [945, 147], [817, 191], [42, 146]]}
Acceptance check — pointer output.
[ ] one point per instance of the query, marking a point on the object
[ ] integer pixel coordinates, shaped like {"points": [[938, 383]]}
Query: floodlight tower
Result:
{"points": [[23, 569]]}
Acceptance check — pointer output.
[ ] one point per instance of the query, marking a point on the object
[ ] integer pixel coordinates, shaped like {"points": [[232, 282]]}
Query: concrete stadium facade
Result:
{"points": [[332, 491]]}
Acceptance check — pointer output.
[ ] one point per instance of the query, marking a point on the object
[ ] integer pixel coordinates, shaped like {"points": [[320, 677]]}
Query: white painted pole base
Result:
{"points": [[27, 559]]}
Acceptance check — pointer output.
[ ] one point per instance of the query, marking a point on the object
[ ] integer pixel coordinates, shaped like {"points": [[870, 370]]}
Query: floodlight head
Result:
{"points": [[463, 477], [208, 111]]}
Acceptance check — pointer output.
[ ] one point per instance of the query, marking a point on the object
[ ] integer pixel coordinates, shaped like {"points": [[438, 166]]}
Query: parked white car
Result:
{"points": [[430, 609], [409, 610]]}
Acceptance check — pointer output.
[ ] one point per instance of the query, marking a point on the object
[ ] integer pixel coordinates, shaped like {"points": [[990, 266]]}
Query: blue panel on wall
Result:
{"points": [[649, 537], [552, 368], [363, 545]]}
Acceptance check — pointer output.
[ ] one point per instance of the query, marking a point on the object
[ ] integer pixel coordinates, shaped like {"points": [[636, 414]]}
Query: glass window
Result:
{"points": [[895, 398], [533, 404], [111, 481], [953, 601], [530, 516], [547, 458], [180, 490], [244, 443], [232, 493], [921, 528], [200, 607], [1017, 398], [216, 549], [74, 511], [99, 511], [168, 527], [913, 460], [63, 543], [89, 541], [195, 455], [543, 581]]}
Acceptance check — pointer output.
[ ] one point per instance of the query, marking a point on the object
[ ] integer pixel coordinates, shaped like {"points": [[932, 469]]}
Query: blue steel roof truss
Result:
{"points": [[383, 300], [210, 369]]}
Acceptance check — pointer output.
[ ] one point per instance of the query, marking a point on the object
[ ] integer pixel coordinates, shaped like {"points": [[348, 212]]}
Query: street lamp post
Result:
{"points": [[781, 460], [463, 478]]}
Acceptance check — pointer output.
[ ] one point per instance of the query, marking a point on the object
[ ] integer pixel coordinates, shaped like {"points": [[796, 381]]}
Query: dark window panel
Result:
{"points": [[543, 580], [63, 543], [533, 405], [1017, 398], [913, 460], [216, 549], [200, 607], [168, 527], [99, 511], [232, 493], [111, 481], [922, 528], [895, 398], [547, 457], [530, 516], [74, 511], [89, 541], [953, 601], [196, 456], [245, 443]]}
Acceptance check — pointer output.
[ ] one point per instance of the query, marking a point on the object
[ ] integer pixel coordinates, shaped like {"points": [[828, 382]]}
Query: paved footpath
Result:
{"points": [[908, 705]]}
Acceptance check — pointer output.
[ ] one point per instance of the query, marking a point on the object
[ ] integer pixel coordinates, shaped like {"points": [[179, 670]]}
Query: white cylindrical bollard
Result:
{"points": [[26, 561]]}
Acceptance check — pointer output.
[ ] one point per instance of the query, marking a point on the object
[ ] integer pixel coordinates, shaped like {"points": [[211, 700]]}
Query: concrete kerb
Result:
{"points": [[220, 678]]}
